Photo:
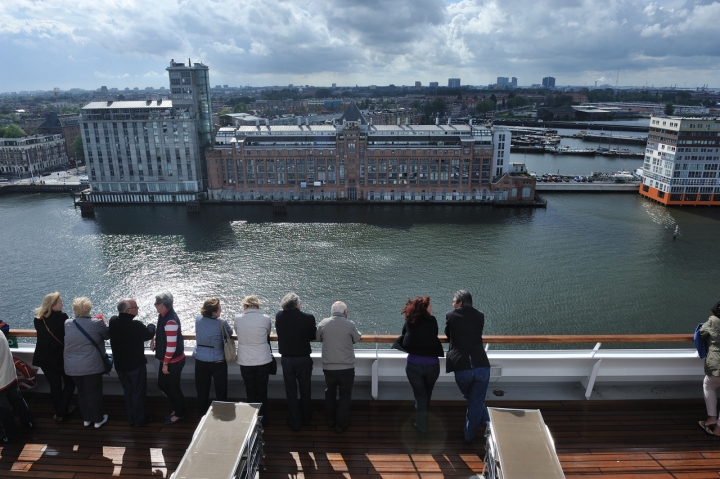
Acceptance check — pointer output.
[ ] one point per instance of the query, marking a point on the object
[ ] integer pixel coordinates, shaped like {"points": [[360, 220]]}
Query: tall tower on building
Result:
{"points": [[453, 83], [151, 150], [190, 88], [682, 161]]}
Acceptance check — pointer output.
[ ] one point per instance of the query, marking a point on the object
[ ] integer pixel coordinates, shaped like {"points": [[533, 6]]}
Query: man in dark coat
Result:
{"points": [[466, 357], [127, 340], [295, 331]]}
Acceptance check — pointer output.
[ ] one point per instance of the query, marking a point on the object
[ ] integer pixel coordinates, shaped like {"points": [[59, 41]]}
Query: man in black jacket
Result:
{"points": [[466, 357], [295, 330], [127, 340]]}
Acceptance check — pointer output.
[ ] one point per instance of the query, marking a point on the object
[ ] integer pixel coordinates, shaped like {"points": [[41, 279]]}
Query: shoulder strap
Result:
{"points": [[51, 333], [80, 328]]}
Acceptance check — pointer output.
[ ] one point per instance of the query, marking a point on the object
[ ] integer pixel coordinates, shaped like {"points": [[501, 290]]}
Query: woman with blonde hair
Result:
{"points": [[83, 361], [209, 354], [254, 353], [49, 323]]}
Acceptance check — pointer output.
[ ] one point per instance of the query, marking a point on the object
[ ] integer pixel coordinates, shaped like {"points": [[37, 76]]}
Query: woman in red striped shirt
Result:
{"points": [[169, 350]]}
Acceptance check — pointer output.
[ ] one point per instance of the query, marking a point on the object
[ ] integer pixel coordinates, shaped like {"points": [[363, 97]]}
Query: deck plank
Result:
{"points": [[608, 439]]}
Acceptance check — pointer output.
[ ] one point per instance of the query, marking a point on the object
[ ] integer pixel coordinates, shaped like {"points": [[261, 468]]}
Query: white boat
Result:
{"points": [[622, 176]]}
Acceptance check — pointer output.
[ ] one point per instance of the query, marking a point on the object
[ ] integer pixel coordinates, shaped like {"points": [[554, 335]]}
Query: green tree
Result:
{"points": [[323, 93], [484, 106], [240, 108], [669, 108], [11, 131], [225, 111], [78, 148]]}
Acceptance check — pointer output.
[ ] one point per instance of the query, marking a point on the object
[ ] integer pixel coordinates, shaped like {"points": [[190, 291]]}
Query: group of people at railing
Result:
{"points": [[68, 351]]}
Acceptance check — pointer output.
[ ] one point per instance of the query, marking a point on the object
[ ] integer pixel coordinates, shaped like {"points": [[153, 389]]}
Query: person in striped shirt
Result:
{"points": [[169, 350]]}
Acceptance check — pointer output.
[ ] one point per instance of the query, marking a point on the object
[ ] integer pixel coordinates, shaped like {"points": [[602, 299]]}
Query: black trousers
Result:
{"points": [[205, 372], [339, 383], [297, 374], [169, 384], [256, 386], [11, 400], [134, 384], [90, 396], [62, 387]]}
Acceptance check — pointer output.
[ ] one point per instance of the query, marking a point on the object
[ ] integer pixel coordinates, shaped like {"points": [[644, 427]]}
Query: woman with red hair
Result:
{"points": [[420, 340]]}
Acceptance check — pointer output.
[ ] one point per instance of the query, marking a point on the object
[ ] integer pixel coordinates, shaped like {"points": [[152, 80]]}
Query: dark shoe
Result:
{"points": [[468, 441], [290, 425], [170, 420], [414, 424], [149, 418], [339, 430], [30, 425], [331, 424], [70, 410]]}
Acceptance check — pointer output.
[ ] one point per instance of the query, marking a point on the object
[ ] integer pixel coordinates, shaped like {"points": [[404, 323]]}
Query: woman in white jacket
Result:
{"points": [[254, 354]]}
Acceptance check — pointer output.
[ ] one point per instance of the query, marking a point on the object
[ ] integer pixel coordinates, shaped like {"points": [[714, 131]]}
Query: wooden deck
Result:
{"points": [[612, 439]]}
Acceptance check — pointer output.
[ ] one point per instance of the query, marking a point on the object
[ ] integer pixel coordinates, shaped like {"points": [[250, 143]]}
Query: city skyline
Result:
{"points": [[128, 44]]}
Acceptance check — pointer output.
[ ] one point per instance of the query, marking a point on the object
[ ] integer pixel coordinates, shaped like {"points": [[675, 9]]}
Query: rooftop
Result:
{"points": [[135, 104]]}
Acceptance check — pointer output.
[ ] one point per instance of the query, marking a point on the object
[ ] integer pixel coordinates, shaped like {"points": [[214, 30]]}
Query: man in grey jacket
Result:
{"points": [[338, 335]]}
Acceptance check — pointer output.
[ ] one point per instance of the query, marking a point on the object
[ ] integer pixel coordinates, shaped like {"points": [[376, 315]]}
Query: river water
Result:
{"points": [[589, 263]]}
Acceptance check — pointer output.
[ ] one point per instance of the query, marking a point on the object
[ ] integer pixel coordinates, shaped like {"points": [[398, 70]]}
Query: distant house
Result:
{"points": [[515, 186], [66, 125]]}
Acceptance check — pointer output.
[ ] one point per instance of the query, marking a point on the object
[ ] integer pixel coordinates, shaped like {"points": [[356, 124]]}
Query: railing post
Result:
{"points": [[591, 379], [375, 373]]}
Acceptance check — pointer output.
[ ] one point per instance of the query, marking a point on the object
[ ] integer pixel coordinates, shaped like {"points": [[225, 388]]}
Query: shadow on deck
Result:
{"points": [[612, 439]]}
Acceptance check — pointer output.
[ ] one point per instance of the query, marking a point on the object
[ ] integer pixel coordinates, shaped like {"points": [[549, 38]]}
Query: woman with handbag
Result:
{"points": [[209, 354], [420, 340], [84, 341], [49, 323], [254, 353]]}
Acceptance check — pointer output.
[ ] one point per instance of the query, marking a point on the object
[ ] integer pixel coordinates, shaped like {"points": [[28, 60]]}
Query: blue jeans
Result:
{"points": [[297, 372], [473, 384], [422, 379], [134, 384]]}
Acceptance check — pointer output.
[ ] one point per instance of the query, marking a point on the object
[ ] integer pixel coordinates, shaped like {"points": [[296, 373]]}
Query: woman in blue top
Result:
{"points": [[209, 354], [420, 340]]}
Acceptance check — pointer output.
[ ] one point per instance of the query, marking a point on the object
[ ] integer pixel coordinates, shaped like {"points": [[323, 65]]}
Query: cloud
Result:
{"points": [[374, 41]]}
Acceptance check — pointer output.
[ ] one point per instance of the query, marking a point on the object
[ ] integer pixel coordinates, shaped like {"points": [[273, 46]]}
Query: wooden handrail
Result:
{"points": [[502, 339]]}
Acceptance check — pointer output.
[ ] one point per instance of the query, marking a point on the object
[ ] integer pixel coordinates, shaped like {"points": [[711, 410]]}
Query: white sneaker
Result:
{"points": [[87, 423], [98, 425]]}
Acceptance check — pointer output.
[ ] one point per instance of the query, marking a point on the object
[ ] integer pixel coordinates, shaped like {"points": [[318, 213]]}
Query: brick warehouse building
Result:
{"points": [[682, 160], [355, 160]]}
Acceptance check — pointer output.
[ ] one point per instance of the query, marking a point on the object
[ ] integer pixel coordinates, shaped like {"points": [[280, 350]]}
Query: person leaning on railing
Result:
{"points": [[49, 323], [295, 330], [209, 354], [467, 358], [169, 347], [710, 332], [420, 340], [83, 361], [254, 354]]}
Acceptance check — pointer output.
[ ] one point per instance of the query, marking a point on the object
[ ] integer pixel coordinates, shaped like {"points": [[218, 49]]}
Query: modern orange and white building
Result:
{"points": [[682, 161]]}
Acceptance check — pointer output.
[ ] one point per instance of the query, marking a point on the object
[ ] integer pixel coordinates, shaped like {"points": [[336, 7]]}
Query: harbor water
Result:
{"points": [[588, 264]]}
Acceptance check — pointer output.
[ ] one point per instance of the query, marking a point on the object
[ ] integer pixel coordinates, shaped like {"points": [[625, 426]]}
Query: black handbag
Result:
{"points": [[106, 358], [272, 363]]}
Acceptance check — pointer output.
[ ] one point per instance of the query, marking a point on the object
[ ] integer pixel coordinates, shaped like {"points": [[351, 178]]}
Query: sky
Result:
{"points": [[129, 43]]}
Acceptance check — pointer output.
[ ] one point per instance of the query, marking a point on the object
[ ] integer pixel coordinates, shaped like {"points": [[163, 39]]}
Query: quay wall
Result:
{"points": [[67, 188], [573, 125], [577, 187]]}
